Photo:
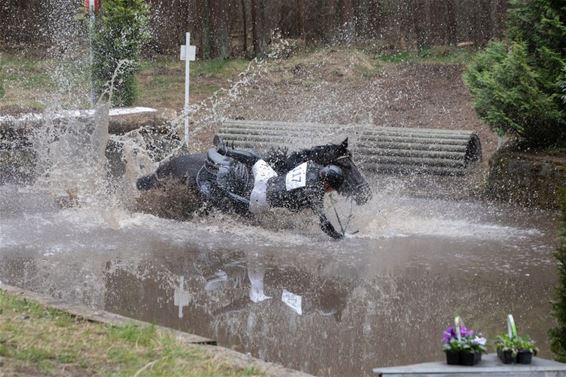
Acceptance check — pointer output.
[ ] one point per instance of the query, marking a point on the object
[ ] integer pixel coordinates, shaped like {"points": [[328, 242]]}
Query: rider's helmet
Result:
{"points": [[332, 175]]}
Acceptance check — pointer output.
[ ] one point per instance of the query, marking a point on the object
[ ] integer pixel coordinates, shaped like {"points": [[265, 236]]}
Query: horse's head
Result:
{"points": [[355, 185]]}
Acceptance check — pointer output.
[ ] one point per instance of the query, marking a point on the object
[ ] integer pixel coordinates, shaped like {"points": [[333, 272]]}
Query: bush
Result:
{"points": [[2, 91], [558, 334], [518, 86], [121, 31]]}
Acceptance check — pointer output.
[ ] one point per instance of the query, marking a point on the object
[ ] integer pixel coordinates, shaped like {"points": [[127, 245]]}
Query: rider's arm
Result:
{"points": [[326, 225]]}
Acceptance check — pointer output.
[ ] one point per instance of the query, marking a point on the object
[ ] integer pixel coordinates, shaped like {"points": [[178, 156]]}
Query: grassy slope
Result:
{"points": [[37, 341], [26, 81]]}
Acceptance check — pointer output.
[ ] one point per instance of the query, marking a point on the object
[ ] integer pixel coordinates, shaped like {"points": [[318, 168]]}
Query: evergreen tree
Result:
{"points": [[518, 85], [121, 30], [558, 334]]}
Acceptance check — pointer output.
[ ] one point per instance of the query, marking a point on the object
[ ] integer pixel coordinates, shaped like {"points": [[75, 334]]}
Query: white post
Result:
{"points": [[180, 296], [91, 24], [188, 54]]}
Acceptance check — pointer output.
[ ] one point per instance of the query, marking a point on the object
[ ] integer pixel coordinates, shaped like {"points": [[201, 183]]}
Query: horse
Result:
{"points": [[203, 173]]}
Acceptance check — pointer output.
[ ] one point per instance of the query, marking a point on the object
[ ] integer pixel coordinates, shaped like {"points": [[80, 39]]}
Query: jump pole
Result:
{"points": [[188, 54]]}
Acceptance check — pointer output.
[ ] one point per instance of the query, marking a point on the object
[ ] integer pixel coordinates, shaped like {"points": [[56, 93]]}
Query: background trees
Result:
{"points": [[517, 84], [120, 33], [235, 27], [558, 333]]}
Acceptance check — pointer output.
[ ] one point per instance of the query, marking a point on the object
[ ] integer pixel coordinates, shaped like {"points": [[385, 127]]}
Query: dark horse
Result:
{"points": [[223, 180]]}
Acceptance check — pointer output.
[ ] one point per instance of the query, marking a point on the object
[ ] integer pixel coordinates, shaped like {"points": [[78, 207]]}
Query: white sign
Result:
{"points": [[191, 54], [296, 178], [293, 301]]}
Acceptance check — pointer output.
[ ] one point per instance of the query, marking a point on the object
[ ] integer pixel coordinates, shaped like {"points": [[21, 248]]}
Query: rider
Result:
{"points": [[303, 187]]}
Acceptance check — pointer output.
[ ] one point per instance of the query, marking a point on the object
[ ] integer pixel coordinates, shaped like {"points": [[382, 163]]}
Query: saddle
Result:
{"points": [[226, 174]]}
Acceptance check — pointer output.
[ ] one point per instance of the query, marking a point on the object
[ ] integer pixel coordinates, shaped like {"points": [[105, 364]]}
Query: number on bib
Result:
{"points": [[296, 178]]}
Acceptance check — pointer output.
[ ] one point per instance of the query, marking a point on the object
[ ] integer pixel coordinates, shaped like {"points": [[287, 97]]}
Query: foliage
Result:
{"points": [[558, 333], [121, 30], [466, 341], [562, 84], [517, 85], [436, 55], [515, 344], [2, 91]]}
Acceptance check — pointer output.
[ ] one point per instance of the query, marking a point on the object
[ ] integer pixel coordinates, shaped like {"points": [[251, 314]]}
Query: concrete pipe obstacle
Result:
{"points": [[376, 149]]}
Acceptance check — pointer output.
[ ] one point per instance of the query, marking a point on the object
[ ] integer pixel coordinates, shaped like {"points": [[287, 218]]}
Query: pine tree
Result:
{"points": [[516, 84], [558, 334], [121, 30]]}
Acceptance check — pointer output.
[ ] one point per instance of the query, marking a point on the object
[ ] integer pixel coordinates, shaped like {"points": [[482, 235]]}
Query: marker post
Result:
{"points": [[188, 54]]}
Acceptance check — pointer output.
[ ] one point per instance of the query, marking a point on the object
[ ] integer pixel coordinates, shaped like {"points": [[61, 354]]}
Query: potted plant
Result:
{"points": [[512, 348], [506, 349], [525, 349], [461, 345]]}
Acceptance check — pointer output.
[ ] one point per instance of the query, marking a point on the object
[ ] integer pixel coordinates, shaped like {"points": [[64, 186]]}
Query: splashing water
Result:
{"points": [[401, 265]]}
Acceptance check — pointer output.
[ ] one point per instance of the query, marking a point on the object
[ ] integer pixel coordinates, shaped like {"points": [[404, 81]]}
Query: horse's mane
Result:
{"points": [[282, 161]]}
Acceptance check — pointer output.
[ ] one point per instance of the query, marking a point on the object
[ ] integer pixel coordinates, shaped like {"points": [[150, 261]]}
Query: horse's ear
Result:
{"points": [[344, 144]]}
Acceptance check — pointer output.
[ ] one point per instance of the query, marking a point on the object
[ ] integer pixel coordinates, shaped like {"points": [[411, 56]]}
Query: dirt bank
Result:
{"points": [[349, 86]]}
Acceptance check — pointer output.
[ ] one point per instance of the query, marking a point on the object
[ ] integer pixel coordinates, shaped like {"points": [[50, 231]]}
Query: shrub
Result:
{"points": [[2, 91], [121, 30], [558, 333], [518, 86]]}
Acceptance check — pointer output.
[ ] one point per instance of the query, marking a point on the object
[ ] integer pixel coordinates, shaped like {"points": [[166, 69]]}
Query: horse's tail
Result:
{"points": [[147, 182]]}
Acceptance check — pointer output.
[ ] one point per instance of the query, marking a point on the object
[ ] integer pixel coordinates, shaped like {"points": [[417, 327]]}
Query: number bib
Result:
{"points": [[296, 178]]}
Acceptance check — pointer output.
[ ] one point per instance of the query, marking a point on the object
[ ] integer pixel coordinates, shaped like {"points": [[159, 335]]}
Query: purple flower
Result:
{"points": [[450, 333]]}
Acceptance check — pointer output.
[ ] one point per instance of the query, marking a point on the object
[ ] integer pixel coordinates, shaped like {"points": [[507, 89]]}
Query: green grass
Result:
{"points": [[162, 80], [33, 83], [29, 83], [40, 339], [435, 55]]}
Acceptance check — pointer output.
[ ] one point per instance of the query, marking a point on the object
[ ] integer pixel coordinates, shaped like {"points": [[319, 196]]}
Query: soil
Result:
{"points": [[347, 86]]}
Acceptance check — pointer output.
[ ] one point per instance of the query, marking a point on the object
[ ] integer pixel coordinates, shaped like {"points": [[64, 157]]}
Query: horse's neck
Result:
{"points": [[321, 155]]}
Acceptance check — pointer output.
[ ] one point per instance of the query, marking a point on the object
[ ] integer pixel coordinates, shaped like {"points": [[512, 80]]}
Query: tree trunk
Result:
{"points": [[451, 23], [500, 10], [421, 18], [203, 7], [220, 28], [346, 19], [301, 19], [258, 27], [244, 27]]}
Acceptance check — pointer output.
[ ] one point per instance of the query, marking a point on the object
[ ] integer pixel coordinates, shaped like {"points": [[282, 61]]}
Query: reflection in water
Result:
{"points": [[293, 301], [327, 308], [181, 297], [256, 276]]}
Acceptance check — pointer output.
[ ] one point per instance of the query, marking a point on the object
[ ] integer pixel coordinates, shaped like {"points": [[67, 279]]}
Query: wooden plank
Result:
{"points": [[279, 124]]}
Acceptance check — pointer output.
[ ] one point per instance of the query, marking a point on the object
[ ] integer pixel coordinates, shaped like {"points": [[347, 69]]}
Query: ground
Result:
{"points": [[345, 85], [38, 341], [330, 85]]}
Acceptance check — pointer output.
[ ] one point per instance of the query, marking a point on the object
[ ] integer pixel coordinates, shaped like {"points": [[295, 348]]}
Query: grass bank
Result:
{"points": [[40, 341], [28, 83]]}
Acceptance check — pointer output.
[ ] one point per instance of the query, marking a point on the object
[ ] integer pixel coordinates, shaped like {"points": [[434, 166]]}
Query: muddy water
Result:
{"points": [[379, 298]]}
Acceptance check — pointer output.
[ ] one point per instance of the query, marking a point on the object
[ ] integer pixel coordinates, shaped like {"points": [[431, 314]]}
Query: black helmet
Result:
{"points": [[333, 175]]}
